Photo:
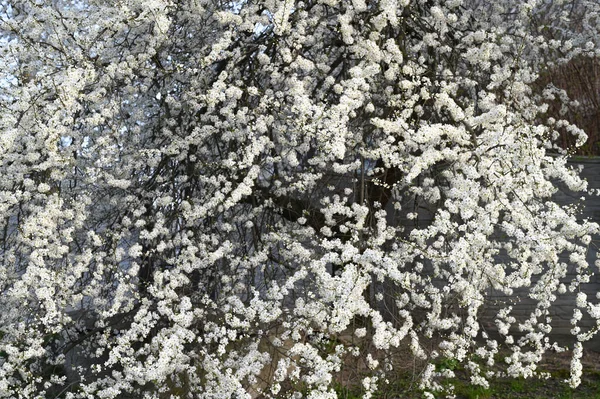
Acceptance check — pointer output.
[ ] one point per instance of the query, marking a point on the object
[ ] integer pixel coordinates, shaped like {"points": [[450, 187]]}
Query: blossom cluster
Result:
{"points": [[217, 199]]}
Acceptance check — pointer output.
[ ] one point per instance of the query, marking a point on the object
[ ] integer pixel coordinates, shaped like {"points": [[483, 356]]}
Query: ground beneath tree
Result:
{"points": [[403, 385]]}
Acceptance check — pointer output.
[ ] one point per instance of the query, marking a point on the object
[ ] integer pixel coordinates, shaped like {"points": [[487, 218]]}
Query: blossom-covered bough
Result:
{"points": [[214, 199]]}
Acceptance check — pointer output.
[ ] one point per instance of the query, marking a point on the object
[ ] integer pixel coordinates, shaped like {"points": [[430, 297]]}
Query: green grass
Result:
{"points": [[348, 392], [404, 387]]}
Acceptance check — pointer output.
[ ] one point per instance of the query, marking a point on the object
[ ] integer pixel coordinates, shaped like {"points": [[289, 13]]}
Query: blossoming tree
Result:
{"points": [[199, 197]]}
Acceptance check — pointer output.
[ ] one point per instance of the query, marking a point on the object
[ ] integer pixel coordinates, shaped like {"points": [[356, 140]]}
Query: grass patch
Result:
{"points": [[403, 382], [404, 386], [345, 392], [468, 391]]}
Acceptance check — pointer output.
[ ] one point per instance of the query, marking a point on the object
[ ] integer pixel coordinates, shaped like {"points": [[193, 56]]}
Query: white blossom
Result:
{"points": [[212, 197]]}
